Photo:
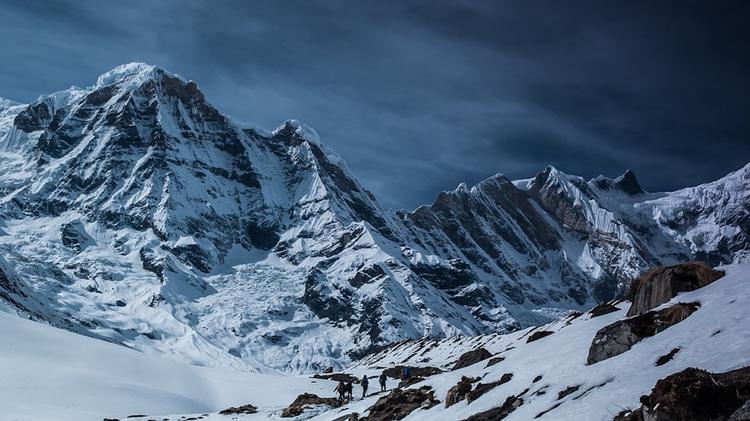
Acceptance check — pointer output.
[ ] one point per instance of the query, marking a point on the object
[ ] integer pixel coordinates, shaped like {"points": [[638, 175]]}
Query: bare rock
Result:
{"points": [[742, 414], [694, 394], [395, 372], [458, 392], [661, 284], [602, 309], [499, 413], [620, 336], [472, 357], [539, 334], [304, 401], [239, 410], [400, 403]]}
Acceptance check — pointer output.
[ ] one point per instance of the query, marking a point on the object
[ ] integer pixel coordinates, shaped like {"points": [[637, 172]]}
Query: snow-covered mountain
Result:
{"points": [[136, 212]]}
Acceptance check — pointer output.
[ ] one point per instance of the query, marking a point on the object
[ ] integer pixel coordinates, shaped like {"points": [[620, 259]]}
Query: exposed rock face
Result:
{"points": [[667, 357], [499, 413], [426, 371], [660, 285], [400, 403], [539, 334], [472, 357], [304, 401], [482, 388], [602, 309], [494, 360], [693, 395], [620, 336], [239, 410], [458, 392], [337, 377]]}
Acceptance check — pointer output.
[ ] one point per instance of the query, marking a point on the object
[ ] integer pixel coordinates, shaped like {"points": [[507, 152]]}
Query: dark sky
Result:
{"points": [[418, 96]]}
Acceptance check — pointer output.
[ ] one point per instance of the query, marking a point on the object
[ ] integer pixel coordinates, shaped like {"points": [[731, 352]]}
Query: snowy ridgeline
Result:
{"points": [[135, 212], [50, 374]]}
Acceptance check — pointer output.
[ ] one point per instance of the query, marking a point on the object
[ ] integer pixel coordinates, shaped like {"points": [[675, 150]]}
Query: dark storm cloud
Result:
{"points": [[418, 96]]}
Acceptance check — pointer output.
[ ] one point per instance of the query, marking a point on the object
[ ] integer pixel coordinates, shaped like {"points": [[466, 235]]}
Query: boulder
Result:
{"points": [[695, 394], [494, 360], [458, 392], [539, 334], [304, 401], [239, 410], [403, 384], [602, 309], [667, 357], [482, 388], [471, 357], [337, 377], [661, 284], [499, 413], [400, 403], [395, 372], [620, 336]]}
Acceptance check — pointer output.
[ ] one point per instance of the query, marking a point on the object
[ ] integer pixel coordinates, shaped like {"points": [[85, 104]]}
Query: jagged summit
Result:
{"points": [[626, 183], [133, 74]]}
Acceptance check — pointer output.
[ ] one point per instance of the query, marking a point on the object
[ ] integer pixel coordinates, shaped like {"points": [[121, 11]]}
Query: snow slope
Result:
{"points": [[716, 337], [135, 212], [47, 374]]}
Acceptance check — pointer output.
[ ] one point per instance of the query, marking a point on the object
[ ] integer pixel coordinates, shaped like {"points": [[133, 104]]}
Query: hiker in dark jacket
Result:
{"points": [[364, 385], [349, 390], [405, 373], [382, 379], [341, 389]]}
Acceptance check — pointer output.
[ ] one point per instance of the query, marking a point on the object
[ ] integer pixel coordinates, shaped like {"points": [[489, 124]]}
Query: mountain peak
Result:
{"points": [[628, 183], [132, 74]]}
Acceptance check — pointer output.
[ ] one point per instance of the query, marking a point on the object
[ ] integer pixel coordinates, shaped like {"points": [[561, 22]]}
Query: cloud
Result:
{"points": [[418, 96]]}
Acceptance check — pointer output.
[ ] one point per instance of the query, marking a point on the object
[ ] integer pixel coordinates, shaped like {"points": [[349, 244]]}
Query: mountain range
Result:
{"points": [[135, 212]]}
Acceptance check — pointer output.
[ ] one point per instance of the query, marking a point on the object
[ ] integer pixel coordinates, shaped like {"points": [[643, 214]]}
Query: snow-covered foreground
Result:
{"points": [[55, 375], [50, 374]]}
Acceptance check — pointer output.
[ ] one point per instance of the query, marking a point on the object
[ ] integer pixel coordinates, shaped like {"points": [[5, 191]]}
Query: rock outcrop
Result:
{"points": [[660, 285], [458, 392], [539, 334], [693, 395], [496, 414], [472, 357], [239, 410], [305, 401], [400, 403], [620, 336]]}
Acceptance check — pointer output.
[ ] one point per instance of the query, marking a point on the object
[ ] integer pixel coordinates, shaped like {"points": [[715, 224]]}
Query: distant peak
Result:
{"points": [[628, 183], [132, 74]]}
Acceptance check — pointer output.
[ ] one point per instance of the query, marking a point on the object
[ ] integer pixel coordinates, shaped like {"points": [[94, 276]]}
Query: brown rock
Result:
{"points": [[471, 357], [482, 388], [602, 309], [497, 414], [620, 336], [400, 403], [695, 394], [458, 392], [395, 372], [238, 410], [539, 334], [661, 284], [304, 401]]}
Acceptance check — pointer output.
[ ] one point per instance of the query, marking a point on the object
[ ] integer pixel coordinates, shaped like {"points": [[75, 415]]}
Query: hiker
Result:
{"points": [[349, 389], [382, 379], [405, 373], [364, 386], [341, 389]]}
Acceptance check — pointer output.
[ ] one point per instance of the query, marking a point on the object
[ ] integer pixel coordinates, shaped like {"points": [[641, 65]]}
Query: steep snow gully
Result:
{"points": [[134, 212]]}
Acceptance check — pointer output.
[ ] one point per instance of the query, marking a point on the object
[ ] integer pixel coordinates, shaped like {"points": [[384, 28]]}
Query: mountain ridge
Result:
{"points": [[136, 212]]}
